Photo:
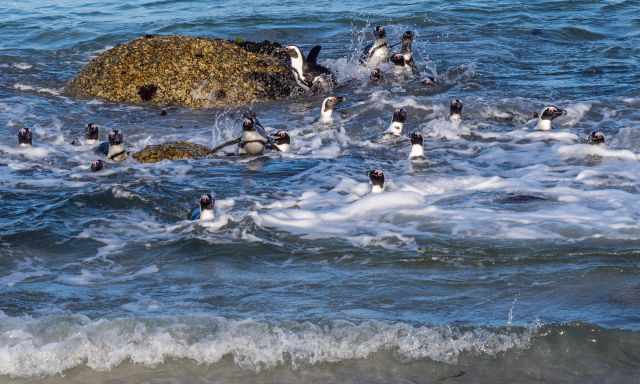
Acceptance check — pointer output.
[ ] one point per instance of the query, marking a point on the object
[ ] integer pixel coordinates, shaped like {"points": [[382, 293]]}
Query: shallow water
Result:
{"points": [[509, 255]]}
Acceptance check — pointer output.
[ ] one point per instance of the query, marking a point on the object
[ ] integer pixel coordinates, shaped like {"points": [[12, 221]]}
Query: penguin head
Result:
{"points": [[416, 138], [398, 59], [248, 124], [376, 177], [206, 202], [379, 32], [91, 132], [331, 102], [376, 75], [281, 137], [97, 165], [399, 115], [551, 112], [407, 37], [596, 137], [115, 137], [293, 52], [455, 108], [25, 137], [429, 81]]}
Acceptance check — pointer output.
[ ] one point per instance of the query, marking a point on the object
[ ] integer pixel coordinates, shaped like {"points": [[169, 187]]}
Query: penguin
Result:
{"points": [[328, 105], [308, 73], [596, 137], [97, 165], [403, 61], [281, 141], [400, 65], [378, 52], [113, 149], [455, 111], [547, 115], [376, 76], [91, 135], [205, 212], [397, 124], [417, 150], [25, 137], [253, 140], [376, 177]]}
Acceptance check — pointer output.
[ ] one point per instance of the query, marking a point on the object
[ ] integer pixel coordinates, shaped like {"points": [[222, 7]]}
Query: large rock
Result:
{"points": [[172, 151], [187, 71]]}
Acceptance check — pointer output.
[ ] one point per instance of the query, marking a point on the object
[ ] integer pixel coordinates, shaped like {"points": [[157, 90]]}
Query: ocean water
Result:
{"points": [[508, 256]]}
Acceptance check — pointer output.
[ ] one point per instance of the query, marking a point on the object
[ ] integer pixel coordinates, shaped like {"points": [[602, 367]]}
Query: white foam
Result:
{"points": [[26, 87], [52, 345]]}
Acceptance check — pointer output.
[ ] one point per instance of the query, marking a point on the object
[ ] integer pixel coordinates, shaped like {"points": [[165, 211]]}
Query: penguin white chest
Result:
{"points": [[117, 152], [206, 215], [379, 55], [253, 143]]}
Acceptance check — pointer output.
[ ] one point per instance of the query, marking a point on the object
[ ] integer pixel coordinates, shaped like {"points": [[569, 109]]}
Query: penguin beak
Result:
{"points": [[340, 99]]}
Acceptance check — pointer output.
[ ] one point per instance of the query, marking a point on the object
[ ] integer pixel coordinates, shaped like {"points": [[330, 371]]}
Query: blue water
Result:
{"points": [[509, 255]]}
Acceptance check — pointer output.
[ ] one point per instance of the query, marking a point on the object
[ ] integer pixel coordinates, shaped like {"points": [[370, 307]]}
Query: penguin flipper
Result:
{"points": [[103, 148], [312, 57], [195, 214]]}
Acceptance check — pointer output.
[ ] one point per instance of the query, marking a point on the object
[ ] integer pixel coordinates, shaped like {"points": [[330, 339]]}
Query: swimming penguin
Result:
{"points": [[417, 150], [455, 111], [282, 141], [308, 73], [97, 165], [397, 124], [547, 115], [596, 137], [253, 140], [403, 61], [91, 135], [329, 104], [376, 76], [113, 149], [400, 65], [25, 137], [205, 213], [378, 52], [376, 177]]}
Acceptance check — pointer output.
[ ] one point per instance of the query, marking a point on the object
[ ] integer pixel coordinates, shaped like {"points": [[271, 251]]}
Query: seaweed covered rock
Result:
{"points": [[172, 151], [187, 71]]}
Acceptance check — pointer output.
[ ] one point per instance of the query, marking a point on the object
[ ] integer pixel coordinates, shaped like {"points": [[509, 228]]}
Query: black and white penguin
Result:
{"points": [[308, 73], [282, 141], [397, 124], [113, 149], [253, 140], [403, 61], [376, 177], [596, 137], [97, 165], [376, 76], [91, 136], [205, 212], [417, 149], [455, 111], [25, 137], [378, 52], [547, 115], [329, 104]]}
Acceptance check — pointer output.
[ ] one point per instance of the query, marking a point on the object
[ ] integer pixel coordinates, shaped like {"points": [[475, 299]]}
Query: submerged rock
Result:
{"points": [[187, 71], [172, 151]]}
